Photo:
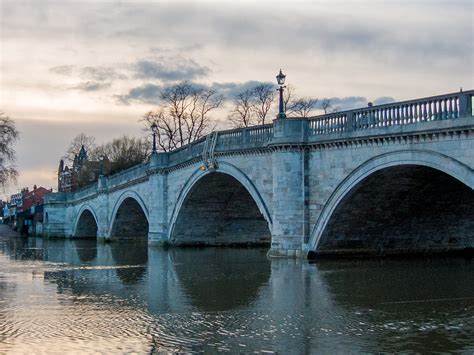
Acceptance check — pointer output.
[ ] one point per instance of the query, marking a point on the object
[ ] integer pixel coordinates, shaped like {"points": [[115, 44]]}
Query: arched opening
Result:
{"points": [[130, 222], [402, 209], [220, 211], [86, 225]]}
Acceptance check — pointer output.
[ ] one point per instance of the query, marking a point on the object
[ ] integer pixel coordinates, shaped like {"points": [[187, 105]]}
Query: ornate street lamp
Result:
{"points": [[154, 128], [281, 81]]}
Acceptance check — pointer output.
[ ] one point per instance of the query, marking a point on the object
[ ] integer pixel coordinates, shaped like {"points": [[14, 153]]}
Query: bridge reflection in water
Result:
{"points": [[65, 295]]}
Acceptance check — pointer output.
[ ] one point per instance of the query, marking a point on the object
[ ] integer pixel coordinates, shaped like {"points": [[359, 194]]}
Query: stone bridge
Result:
{"points": [[395, 178]]}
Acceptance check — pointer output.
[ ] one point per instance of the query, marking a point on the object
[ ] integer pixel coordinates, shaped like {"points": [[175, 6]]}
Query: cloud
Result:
{"points": [[384, 100], [96, 78], [91, 86], [176, 49], [231, 89], [347, 103], [354, 102], [150, 93], [62, 69], [102, 73], [169, 70], [147, 93]]}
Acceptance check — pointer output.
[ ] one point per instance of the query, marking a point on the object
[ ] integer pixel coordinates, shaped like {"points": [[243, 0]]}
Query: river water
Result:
{"points": [[61, 296]]}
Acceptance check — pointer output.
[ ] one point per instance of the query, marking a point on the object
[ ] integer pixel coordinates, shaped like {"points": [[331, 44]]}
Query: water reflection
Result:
{"points": [[219, 279], [133, 257], [86, 249], [407, 304], [71, 295]]}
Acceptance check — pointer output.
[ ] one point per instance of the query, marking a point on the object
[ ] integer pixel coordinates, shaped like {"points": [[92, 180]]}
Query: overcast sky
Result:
{"points": [[96, 66]]}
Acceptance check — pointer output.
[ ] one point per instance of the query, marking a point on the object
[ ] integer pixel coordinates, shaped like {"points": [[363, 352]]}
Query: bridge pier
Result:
{"points": [[290, 224], [157, 220], [102, 211]]}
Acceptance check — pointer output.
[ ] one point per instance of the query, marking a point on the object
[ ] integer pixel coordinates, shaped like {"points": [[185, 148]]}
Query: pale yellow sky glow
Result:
{"points": [[68, 67]]}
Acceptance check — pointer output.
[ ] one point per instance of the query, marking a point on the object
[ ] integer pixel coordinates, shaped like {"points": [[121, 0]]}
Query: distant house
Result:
{"points": [[82, 173], [26, 215], [12, 209]]}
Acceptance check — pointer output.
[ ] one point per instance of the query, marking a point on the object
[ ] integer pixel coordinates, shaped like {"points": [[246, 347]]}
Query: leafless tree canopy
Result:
{"points": [[80, 140], [298, 107], [288, 96], [263, 96], [301, 107], [8, 136], [253, 106], [183, 116], [242, 115], [328, 107]]}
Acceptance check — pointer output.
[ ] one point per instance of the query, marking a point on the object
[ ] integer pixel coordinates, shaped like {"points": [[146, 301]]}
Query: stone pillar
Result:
{"points": [[157, 213], [289, 188], [57, 221], [103, 209], [465, 101]]}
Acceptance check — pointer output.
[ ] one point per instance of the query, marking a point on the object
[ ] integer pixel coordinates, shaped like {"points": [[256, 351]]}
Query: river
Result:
{"points": [[60, 296]]}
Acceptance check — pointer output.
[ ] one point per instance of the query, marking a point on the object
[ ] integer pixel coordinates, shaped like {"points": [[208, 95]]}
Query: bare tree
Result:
{"points": [[167, 129], [198, 122], [287, 96], [242, 114], [263, 96], [328, 107], [8, 136], [183, 116], [301, 107], [80, 140]]}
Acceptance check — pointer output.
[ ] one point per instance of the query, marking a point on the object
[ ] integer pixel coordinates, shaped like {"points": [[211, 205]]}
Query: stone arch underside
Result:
{"points": [[219, 210], [402, 209], [130, 221], [86, 225]]}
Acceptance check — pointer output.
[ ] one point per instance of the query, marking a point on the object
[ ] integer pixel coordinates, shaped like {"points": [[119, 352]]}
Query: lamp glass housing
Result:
{"points": [[281, 78]]}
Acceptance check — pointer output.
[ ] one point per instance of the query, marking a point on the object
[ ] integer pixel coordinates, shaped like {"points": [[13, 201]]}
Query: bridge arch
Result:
{"points": [[86, 224], [418, 159], [129, 219], [234, 181]]}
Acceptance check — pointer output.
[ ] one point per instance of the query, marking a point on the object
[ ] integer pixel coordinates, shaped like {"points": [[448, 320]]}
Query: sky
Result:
{"points": [[96, 67]]}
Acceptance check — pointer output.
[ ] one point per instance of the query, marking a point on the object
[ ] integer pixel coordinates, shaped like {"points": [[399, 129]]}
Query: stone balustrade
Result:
{"points": [[133, 173], [401, 113]]}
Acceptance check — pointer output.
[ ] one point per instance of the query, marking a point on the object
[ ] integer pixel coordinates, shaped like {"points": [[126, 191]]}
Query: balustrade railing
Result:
{"points": [[231, 137], [187, 152], [85, 191], [400, 113], [244, 137], [133, 173], [337, 122], [260, 134]]}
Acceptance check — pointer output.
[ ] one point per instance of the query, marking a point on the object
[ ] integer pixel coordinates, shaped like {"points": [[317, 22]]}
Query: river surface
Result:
{"points": [[60, 296]]}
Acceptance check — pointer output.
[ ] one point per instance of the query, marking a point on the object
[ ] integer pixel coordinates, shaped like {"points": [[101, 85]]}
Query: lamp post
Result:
{"points": [[281, 81], [153, 129]]}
